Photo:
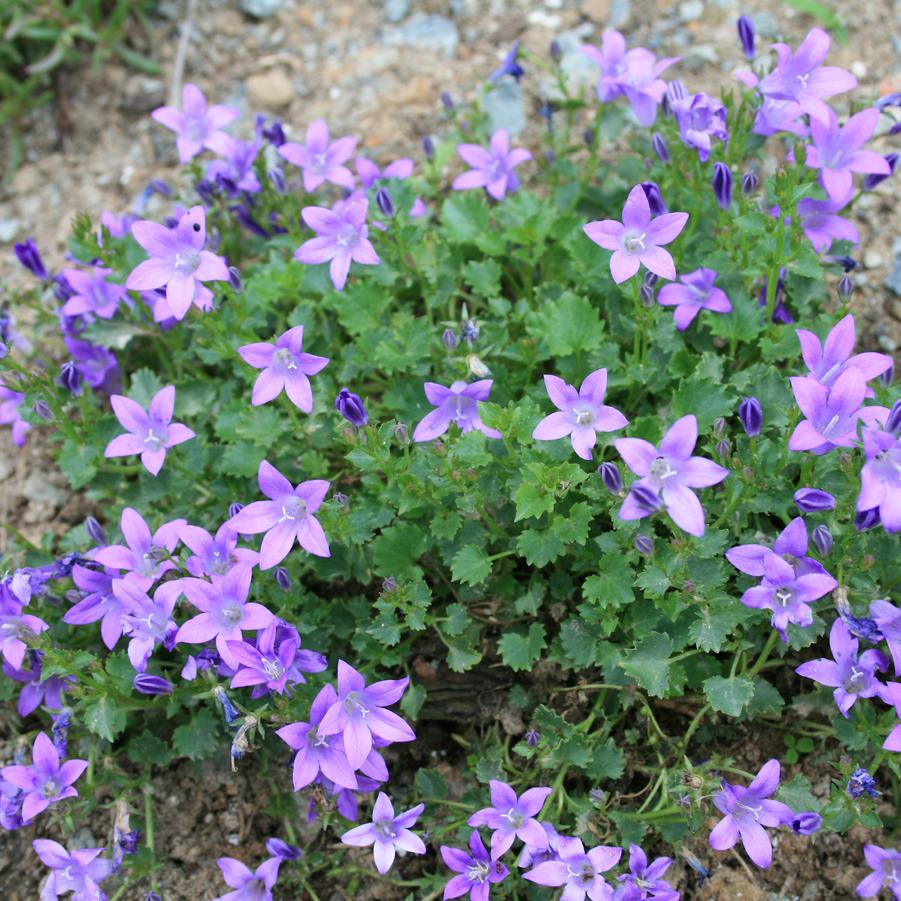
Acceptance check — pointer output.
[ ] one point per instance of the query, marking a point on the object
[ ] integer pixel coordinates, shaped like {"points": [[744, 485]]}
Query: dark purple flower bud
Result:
{"points": [[644, 545], [822, 539], [275, 134], [874, 179], [61, 732], [153, 896], [646, 295], [402, 434], [428, 147], [42, 410], [532, 738], [342, 500], [62, 290], [658, 142], [722, 185], [283, 580], [845, 287], [813, 500], [148, 684], [651, 278], [655, 198], [277, 848], [866, 519], [746, 35], [469, 330], [806, 823], [588, 136], [234, 278], [69, 377], [893, 422], [723, 448], [862, 627], [610, 474], [95, 531], [556, 51], [158, 186], [384, 202], [887, 377], [29, 256], [277, 180], [646, 498], [389, 584], [234, 509], [207, 190], [509, 66], [546, 112], [449, 338], [350, 406], [750, 414], [749, 183], [862, 782], [447, 101]]}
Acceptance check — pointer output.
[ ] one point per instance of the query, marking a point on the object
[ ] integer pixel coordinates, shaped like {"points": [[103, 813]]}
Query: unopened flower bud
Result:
{"points": [[866, 519], [389, 584], [29, 256], [876, 178], [477, 367], [610, 474], [750, 413], [845, 287], [277, 180], [384, 202], [556, 51], [282, 579], [69, 377], [42, 410], [719, 426], [351, 407], [661, 148], [644, 545], [675, 90], [646, 295], [234, 278], [887, 377], [646, 498], [822, 539], [450, 339], [342, 500], [723, 448], [749, 182], [650, 278], [447, 101], [95, 531], [428, 147], [234, 509], [277, 848], [655, 198], [148, 684], [813, 500], [746, 35], [401, 434], [722, 185], [806, 823], [893, 421], [532, 738]]}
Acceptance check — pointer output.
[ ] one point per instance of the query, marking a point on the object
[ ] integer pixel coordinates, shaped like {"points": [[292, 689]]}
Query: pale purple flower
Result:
{"points": [[387, 833], [10, 401], [15, 627], [644, 877], [99, 603], [696, 293], [799, 76], [285, 367], [700, 119], [80, 871], [98, 365], [46, 781], [837, 153], [93, 293], [264, 667], [887, 618], [359, 713], [370, 173], [177, 259], [341, 237], [776, 116], [611, 59], [638, 239], [475, 872], [321, 158], [247, 884], [147, 622], [318, 753], [224, 611], [579, 871], [821, 224], [151, 432], [214, 556], [491, 169], [35, 690], [143, 556], [286, 516], [458, 404], [165, 314], [671, 472], [581, 414], [852, 676], [197, 125], [234, 172], [747, 811], [278, 848], [886, 866], [511, 817], [532, 855], [880, 478]]}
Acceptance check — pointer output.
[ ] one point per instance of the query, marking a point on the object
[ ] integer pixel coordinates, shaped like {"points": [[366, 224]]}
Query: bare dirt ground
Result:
{"points": [[376, 68]]}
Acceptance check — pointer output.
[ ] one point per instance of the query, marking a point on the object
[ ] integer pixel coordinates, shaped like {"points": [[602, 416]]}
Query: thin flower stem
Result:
{"points": [[764, 654], [148, 814]]}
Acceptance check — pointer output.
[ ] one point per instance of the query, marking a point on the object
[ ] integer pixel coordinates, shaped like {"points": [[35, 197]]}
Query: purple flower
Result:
{"points": [[93, 294], [806, 823], [509, 66], [234, 172], [880, 478], [511, 817], [321, 158], [751, 415], [46, 781], [284, 366], [277, 848], [887, 618], [317, 753], [370, 173], [351, 407], [35, 690], [696, 293], [813, 500], [747, 811], [97, 365], [264, 666], [831, 414], [30, 257], [852, 676], [836, 151], [147, 622], [700, 119], [581, 414], [248, 885], [224, 612], [491, 169], [637, 239], [891, 159], [387, 832], [821, 224], [177, 259], [475, 872], [828, 360], [799, 77], [148, 684], [722, 185], [214, 556], [80, 871], [458, 404], [579, 871], [359, 713], [196, 125], [670, 472], [99, 603], [150, 432], [286, 516], [143, 556], [645, 878], [746, 35], [341, 237], [886, 866], [10, 401], [860, 783], [15, 627]]}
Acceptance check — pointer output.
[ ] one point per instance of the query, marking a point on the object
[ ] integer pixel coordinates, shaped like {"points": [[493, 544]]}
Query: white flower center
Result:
{"points": [[187, 261], [478, 871], [633, 242]]}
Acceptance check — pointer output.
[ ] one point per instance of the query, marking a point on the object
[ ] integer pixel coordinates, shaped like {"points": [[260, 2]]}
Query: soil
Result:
{"points": [[97, 149]]}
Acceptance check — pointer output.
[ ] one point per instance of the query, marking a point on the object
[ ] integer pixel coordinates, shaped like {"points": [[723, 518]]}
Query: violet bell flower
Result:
{"points": [[387, 833], [476, 873], [457, 404], [695, 293], [511, 817], [578, 871], [197, 125], [80, 871], [491, 169], [880, 478], [321, 158]]}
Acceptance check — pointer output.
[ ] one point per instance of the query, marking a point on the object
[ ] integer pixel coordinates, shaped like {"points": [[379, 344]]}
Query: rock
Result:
{"points": [[893, 282], [271, 90], [505, 106], [766, 25], [689, 10], [395, 10], [620, 13], [142, 94], [433, 33], [9, 228], [579, 70], [597, 10], [887, 343], [872, 259], [261, 9]]}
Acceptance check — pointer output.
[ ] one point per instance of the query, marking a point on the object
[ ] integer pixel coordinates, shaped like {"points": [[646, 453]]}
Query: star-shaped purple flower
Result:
{"points": [[197, 125], [285, 367], [880, 478], [35, 690], [670, 472], [321, 158], [511, 817], [387, 833], [370, 173], [821, 224], [93, 294], [581, 414], [579, 871], [475, 872], [791, 545], [99, 603], [80, 871], [10, 401], [645, 877], [696, 293], [700, 119], [147, 622], [458, 404], [270, 669], [151, 432], [247, 884], [214, 556], [638, 239], [492, 169], [886, 866], [286, 516]]}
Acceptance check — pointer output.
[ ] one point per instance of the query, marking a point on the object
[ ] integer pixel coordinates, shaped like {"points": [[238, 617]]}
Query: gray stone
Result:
{"points": [[505, 106], [766, 25], [395, 10], [887, 343], [9, 228], [432, 33], [620, 13], [578, 69], [689, 10], [893, 282], [261, 9]]}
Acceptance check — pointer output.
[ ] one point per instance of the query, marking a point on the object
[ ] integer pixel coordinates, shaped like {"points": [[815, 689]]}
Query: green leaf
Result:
{"points": [[241, 459], [144, 385], [608, 762], [147, 749], [798, 795], [471, 565], [199, 738], [569, 324], [78, 462], [397, 548], [105, 718], [532, 500], [613, 585], [484, 276], [703, 398], [648, 663], [520, 650], [465, 216], [729, 696]]}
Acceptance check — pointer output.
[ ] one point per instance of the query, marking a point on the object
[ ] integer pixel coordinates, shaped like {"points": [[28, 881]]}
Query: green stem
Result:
{"points": [[764, 654], [148, 815]]}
